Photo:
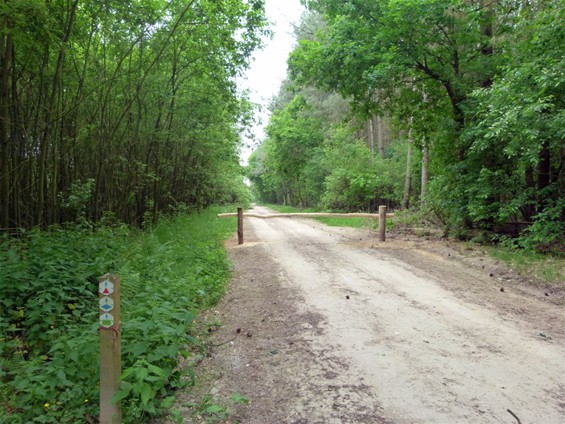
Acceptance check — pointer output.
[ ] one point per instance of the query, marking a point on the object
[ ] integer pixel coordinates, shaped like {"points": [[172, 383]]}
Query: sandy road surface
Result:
{"points": [[336, 328]]}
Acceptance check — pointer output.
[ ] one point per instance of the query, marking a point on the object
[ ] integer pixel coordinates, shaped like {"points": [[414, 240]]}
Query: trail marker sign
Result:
{"points": [[106, 320], [106, 288], [106, 303]]}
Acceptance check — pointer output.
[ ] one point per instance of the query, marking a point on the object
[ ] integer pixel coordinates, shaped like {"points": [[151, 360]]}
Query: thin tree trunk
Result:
{"points": [[16, 145], [487, 32], [5, 131], [425, 161], [371, 137], [529, 209], [408, 178], [381, 131], [544, 166], [425, 175]]}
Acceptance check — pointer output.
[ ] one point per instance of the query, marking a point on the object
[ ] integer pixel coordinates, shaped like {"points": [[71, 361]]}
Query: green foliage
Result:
{"points": [[209, 409], [212, 410], [515, 162], [289, 209], [480, 86], [373, 47], [48, 311], [352, 178], [238, 398], [546, 233], [356, 180], [169, 274], [339, 174], [49, 315], [294, 135], [347, 222], [123, 106], [79, 196]]}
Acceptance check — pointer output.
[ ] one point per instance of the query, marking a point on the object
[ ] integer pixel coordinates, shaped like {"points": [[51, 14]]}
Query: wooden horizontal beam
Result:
{"points": [[307, 215]]}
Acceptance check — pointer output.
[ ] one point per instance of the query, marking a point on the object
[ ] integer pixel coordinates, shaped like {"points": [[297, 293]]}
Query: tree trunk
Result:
{"points": [[487, 32], [425, 175], [381, 135], [371, 137], [544, 172], [408, 178], [5, 131]]}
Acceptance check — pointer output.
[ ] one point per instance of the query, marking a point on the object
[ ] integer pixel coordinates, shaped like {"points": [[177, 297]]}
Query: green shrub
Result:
{"points": [[48, 344], [48, 314], [547, 231]]}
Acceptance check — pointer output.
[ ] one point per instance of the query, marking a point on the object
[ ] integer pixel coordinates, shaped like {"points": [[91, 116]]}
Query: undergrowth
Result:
{"points": [[49, 314]]}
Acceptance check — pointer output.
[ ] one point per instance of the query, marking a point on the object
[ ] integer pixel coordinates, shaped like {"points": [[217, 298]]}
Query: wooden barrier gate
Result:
{"points": [[381, 216]]}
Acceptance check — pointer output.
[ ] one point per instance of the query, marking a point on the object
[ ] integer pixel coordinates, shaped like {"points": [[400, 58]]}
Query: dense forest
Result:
{"points": [[452, 108], [121, 109]]}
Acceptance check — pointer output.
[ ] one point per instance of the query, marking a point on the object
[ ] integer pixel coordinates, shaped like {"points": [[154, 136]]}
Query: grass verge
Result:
{"points": [[538, 267]]}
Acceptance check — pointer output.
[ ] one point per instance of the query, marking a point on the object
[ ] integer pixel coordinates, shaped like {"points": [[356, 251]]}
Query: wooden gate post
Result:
{"points": [[110, 348], [239, 225], [382, 223]]}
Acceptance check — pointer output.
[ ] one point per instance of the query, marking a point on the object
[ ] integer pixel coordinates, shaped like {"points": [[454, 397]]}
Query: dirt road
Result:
{"points": [[329, 326]]}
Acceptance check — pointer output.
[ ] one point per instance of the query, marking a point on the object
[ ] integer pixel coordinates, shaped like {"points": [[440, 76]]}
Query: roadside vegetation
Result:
{"points": [[49, 354], [549, 269]]}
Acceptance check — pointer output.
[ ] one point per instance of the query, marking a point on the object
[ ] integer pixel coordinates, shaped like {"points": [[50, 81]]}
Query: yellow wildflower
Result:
{"points": [[46, 405]]}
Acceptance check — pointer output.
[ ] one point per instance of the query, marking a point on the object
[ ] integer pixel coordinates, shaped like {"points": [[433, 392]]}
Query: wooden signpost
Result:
{"points": [[110, 348]]}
